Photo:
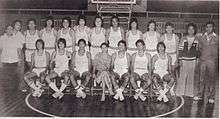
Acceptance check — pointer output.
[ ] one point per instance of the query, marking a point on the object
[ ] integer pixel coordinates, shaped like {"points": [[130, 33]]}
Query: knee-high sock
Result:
{"points": [[63, 86], [54, 87]]}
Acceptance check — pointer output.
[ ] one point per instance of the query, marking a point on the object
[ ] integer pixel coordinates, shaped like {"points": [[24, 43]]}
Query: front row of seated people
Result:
{"points": [[116, 71]]}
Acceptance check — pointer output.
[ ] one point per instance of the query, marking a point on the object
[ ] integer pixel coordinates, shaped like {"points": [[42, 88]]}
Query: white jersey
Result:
{"points": [[81, 63], [132, 38], [30, 41], [49, 39], [96, 40], [171, 47], [161, 66], [81, 34], [121, 64], [151, 43], [40, 62], [61, 62], [140, 64], [114, 37], [68, 38]]}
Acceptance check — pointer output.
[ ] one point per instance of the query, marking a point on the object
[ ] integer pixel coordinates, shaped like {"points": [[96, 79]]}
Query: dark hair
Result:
{"points": [[114, 17], [40, 41], [81, 17], [151, 21], [98, 17], [49, 18], [81, 40], [106, 44], [31, 19], [131, 21], [140, 41], [6, 27], [169, 24], [15, 21], [123, 42], [61, 40], [210, 22], [68, 19], [194, 27], [161, 43]]}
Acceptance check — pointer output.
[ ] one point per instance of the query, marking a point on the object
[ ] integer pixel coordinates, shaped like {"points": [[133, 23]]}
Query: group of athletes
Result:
{"points": [[112, 57]]}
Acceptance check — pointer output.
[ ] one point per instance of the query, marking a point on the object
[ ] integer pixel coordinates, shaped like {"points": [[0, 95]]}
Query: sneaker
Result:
{"points": [[24, 90], [83, 95], [136, 96], [103, 97], [196, 98], [116, 96], [56, 95], [78, 93], [60, 95], [34, 94], [142, 97], [211, 101]]}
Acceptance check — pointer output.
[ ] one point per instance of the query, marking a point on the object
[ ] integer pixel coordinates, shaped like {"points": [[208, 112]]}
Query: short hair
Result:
{"points": [[131, 21], [40, 41], [31, 19], [114, 17], [15, 21], [194, 27], [210, 22], [81, 40], [106, 44], [61, 40], [151, 21], [123, 42], [98, 17], [8, 25], [68, 19], [49, 18], [140, 41], [169, 24], [81, 17], [161, 43]]}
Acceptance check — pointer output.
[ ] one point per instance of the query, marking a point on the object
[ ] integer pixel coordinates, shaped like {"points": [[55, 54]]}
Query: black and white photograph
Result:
{"points": [[109, 58]]}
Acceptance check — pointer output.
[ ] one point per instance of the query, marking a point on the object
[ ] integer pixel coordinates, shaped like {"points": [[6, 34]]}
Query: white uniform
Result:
{"points": [[151, 43], [30, 44], [140, 64], [81, 63], [49, 39], [132, 38], [114, 38], [171, 47], [9, 46], [121, 65], [61, 63], [40, 62], [68, 38], [82, 35], [161, 66], [96, 40]]}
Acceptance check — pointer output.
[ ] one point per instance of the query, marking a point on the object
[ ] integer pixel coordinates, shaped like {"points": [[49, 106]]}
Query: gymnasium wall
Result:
{"points": [[179, 22]]}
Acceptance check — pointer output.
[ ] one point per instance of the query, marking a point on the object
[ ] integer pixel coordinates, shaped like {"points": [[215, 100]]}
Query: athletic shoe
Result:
{"points": [[196, 98], [56, 95], [142, 97], [61, 95], [211, 101], [34, 94], [116, 96], [103, 97], [136, 96]]}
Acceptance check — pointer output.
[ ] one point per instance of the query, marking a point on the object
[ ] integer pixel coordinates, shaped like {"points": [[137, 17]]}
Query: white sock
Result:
{"points": [[63, 86], [54, 87]]}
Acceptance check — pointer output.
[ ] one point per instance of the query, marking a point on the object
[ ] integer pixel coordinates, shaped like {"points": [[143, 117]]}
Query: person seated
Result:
{"points": [[141, 69], [161, 66], [39, 68], [120, 65], [80, 69], [101, 70], [61, 59]]}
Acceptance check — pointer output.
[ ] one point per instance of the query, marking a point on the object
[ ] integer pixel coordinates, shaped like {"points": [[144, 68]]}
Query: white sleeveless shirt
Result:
{"points": [[31, 39], [81, 63], [161, 66], [49, 38], [97, 38], [61, 61], [114, 37], [170, 44], [132, 38], [40, 60], [81, 34], [151, 41], [121, 64], [140, 64], [67, 37]]}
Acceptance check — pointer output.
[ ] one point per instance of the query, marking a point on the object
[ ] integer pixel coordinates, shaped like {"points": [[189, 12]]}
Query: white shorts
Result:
{"points": [[38, 71], [160, 73], [120, 72], [59, 71], [140, 72]]}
